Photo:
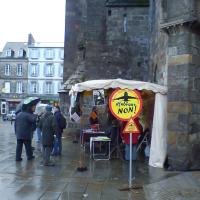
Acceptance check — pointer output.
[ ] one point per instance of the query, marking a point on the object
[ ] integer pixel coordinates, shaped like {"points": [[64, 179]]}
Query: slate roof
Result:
{"points": [[127, 3], [15, 46]]}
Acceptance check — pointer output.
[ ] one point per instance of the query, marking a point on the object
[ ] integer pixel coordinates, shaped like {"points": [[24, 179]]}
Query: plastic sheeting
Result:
{"points": [[158, 150]]}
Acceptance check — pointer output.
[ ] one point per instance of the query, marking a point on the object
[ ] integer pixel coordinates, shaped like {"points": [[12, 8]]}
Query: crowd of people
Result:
{"points": [[49, 126]]}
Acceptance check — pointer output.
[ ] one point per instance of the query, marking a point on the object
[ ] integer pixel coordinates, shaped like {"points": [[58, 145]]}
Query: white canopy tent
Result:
{"points": [[158, 148]]}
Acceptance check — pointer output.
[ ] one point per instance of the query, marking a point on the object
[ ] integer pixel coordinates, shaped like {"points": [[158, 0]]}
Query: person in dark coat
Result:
{"points": [[57, 148], [48, 126], [25, 124]]}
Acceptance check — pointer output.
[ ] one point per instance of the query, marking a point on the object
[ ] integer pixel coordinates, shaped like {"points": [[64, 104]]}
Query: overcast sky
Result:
{"points": [[43, 18]]}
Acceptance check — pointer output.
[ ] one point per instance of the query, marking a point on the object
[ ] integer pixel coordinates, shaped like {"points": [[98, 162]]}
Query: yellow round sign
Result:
{"points": [[125, 104]]}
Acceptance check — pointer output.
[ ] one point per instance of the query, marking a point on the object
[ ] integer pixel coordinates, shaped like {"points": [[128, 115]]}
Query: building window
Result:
{"points": [[49, 54], [19, 87], [34, 70], [7, 70], [34, 53], [21, 53], [125, 23], [7, 87], [34, 87], [19, 70], [59, 85], [49, 88], [61, 70], [49, 70], [109, 12], [9, 53], [62, 54]]}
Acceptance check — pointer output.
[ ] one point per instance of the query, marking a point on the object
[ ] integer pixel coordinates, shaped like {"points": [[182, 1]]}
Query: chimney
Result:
{"points": [[31, 39]]}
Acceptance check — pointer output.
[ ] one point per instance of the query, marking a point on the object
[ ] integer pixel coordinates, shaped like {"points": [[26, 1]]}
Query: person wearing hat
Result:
{"points": [[48, 126]]}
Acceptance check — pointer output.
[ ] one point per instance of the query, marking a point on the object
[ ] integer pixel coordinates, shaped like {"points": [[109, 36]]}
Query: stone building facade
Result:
{"points": [[156, 41], [13, 73]]}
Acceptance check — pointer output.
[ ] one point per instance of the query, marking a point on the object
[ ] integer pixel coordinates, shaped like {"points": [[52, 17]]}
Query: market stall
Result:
{"points": [[148, 91]]}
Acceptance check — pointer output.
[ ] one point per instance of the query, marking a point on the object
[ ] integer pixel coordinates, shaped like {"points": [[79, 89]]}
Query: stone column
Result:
{"points": [[183, 98]]}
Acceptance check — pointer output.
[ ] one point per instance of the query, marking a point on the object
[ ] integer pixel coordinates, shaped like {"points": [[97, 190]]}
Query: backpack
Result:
{"points": [[63, 122]]}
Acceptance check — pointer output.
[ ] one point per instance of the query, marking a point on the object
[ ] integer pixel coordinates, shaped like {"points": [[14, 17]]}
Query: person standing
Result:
{"points": [[48, 126], [25, 124], [126, 140], [57, 149], [93, 118], [39, 131]]}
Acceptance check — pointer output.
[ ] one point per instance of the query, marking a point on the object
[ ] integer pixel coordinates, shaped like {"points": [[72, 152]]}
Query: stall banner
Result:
{"points": [[131, 127], [125, 104]]}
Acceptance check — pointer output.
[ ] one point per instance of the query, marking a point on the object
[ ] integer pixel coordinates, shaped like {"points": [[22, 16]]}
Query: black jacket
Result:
{"points": [[59, 130], [25, 124]]}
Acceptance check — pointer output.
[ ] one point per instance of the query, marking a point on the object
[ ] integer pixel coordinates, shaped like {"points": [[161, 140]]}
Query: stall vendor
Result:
{"points": [[93, 118]]}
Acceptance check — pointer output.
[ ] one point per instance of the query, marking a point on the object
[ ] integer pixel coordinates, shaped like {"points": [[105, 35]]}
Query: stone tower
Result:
{"points": [[106, 39], [175, 62]]}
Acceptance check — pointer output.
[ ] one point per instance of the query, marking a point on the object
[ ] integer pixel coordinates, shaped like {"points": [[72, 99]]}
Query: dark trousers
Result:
{"points": [[28, 148], [46, 154]]}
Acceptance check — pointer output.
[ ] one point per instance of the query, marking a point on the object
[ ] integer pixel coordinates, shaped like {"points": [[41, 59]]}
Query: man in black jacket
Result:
{"points": [[25, 124], [48, 126], [57, 148]]}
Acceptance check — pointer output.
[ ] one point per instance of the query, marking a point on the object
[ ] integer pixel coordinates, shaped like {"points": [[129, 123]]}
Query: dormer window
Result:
{"points": [[21, 53], [9, 53]]}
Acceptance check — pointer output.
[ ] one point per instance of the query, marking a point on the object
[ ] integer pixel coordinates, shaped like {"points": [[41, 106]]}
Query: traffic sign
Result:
{"points": [[125, 104], [131, 127]]}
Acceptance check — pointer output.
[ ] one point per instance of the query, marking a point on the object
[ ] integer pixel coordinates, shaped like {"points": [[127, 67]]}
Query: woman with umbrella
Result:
{"points": [[25, 124]]}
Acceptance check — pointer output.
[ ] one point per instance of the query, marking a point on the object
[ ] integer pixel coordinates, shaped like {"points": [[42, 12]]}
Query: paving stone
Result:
{"points": [[101, 181]]}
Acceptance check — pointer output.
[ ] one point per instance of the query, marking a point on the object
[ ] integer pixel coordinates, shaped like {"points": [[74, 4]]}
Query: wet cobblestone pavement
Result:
{"points": [[102, 181]]}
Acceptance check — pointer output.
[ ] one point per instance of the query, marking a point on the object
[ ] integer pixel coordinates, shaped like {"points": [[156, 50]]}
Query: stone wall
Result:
{"points": [[179, 10], [174, 62], [127, 43], [158, 44], [183, 100], [75, 21], [95, 36]]}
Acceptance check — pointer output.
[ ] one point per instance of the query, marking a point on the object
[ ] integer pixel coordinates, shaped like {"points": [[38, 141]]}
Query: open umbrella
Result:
{"points": [[30, 101]]}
